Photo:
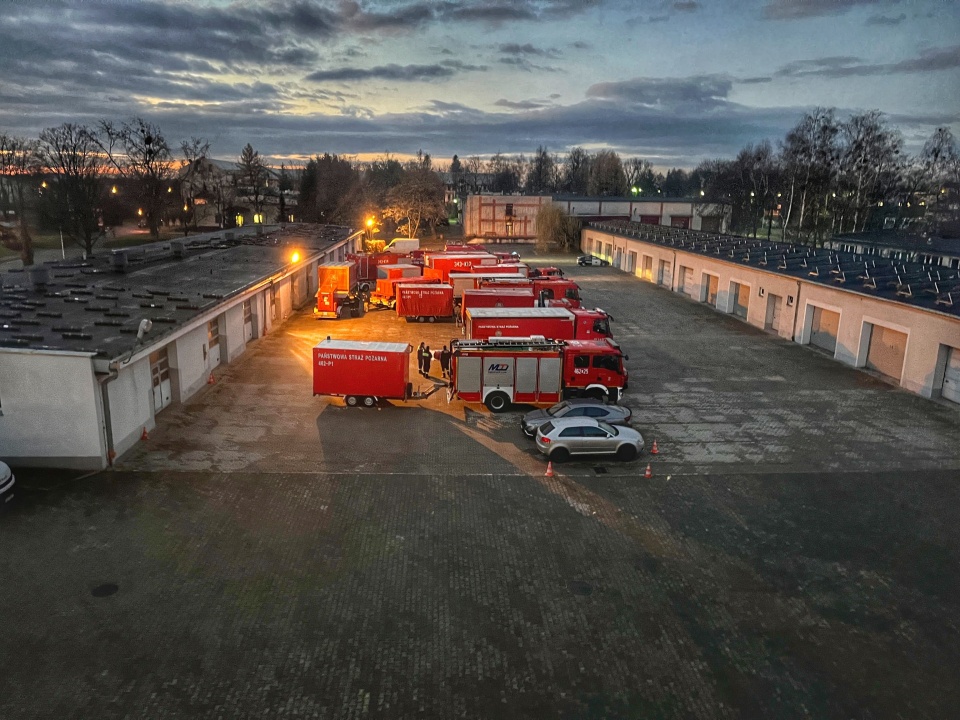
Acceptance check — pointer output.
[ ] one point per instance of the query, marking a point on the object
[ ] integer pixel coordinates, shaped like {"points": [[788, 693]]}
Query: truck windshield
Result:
{"points": [[607, 362], [601, 327]]}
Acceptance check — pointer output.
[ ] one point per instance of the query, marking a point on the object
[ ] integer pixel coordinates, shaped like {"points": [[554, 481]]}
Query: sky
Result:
{"points": [[672, 82]]}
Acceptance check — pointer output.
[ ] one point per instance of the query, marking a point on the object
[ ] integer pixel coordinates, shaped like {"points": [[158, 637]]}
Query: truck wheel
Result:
{"points": [[559, 455], [351, 400], [421, 318], [626, 452], [597, 394], [369, 401], [497, 402], [432, 318]]}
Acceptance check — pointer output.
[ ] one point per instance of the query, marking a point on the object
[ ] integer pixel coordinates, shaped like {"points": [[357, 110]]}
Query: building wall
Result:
{"points": [[929, 334], [233, 336], [131, 407], [50, 404]]}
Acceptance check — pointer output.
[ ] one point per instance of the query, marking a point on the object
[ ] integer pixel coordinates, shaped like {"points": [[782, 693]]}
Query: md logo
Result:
{"points": [[498, 368]]}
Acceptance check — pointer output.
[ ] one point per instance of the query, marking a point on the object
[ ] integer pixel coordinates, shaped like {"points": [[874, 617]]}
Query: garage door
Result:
{"points": [[887, 348], [823, 330], [686, 281], [713, 286], [741, 299], [951, 376]]}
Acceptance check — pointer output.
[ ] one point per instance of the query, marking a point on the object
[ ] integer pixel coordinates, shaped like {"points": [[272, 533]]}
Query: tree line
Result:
{"points": [[826, 175]]}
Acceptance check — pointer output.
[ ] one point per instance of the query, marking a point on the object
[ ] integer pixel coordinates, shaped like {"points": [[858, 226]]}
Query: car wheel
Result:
{"points": [[497, 402], [626, 452], [559, 455], [369, 401], [351, 400]]}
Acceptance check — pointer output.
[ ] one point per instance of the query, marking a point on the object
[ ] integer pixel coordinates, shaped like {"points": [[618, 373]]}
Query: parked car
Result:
{"points": [[591, 260], [575, 407], [7, 481], [559, 439]]}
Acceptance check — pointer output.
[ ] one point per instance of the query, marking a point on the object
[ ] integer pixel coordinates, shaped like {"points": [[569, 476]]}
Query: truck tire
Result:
{"points": [[432, 318], [497, 402], [369, 401], [626, 452], [351, 400], [421, 318], [597, 394], [559, 455]]}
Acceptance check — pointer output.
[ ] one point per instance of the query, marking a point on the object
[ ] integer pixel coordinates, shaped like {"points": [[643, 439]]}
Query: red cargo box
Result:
{"points": [[333, 276], [498, 297], [359, 369], [502, 269], [424, 302], [399, 270], [551, 323]]}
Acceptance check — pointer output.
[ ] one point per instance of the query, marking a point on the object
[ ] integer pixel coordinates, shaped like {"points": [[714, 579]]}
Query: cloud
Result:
{"points": [[801, 9], [686, 6], [703, 91], [522, 104], [527, 50], [927, 61], [400, 73], [885, 20]]}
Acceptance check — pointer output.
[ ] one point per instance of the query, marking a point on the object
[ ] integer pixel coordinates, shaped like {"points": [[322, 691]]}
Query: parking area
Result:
{"points": [[268, 553]]}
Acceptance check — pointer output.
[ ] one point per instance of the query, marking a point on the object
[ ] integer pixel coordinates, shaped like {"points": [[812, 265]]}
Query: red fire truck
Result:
{"points": [[497, 297], [556, 323], [554, 287], [535, 371], [424, 302], [441, 264], [337, 290], [385, 292], [367, 265]]}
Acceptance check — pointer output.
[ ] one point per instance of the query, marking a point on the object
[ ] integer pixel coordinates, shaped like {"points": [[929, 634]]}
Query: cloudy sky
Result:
{"points": [[673, 82]]}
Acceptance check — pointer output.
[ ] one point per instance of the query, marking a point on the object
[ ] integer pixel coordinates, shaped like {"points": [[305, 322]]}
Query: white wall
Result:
{"points": [[232, 340], [187, 359], [51, 408], [131, 404]]}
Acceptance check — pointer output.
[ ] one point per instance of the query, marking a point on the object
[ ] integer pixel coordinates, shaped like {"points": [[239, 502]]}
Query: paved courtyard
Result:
{"points": [[270, 554]]}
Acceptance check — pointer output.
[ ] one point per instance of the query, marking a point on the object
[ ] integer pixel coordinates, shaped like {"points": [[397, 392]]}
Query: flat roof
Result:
{"points": [[928, 286], [362, 345], [531, 312], [95, 306]]}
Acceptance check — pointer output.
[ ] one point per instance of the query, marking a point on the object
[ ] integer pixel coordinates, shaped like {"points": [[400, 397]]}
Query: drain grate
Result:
{"points": [[105, 590], [599, 470]]}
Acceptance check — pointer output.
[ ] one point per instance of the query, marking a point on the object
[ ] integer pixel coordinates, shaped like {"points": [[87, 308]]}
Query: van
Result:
{"points": [[402, 246]]}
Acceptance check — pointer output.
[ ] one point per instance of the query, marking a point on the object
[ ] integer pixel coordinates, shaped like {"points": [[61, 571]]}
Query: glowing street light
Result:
{"points": [[295, 257]]}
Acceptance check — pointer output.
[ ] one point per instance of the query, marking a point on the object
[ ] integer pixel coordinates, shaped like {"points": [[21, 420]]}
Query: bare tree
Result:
{"points": [[576, 172], [542, 174], [871, 150], [556, 228], [417, 200], [140, 153], [940, 161], [18, 166], [70, 156], [606, 175], [253, 177], [195, 174]]}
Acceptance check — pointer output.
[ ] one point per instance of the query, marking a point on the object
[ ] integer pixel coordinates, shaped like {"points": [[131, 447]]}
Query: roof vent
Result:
{"points": [[119, 260], [39, 276]]}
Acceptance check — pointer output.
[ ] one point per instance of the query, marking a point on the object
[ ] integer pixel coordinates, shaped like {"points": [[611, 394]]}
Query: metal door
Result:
{"points": [[549, 381], [468, 374], [774, 303], [247, 321], [526, 376], [741, 299], [686, 281], [213, 343], [886, 351], [664, 272], [631, 262], [498, 371], [824, 328], [951, 376], [713, 286], [647, 272], [618, 255], [160, 377]]}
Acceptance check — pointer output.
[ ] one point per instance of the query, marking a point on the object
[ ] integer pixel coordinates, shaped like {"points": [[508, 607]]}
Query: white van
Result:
{"points": [[402, 246]]}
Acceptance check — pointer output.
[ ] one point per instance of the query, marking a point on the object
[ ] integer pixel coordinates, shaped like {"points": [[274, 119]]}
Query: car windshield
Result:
{"points": [[557, 408], [546, 428], [608, 427]]}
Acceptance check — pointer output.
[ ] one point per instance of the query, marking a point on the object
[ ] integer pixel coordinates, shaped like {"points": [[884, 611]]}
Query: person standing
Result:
{"points": [[445, 361], [420, 358], [427, 358]]}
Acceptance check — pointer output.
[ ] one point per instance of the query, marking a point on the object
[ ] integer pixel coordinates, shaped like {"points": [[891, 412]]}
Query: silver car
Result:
{"points": [[559, 439], [575, 407]]}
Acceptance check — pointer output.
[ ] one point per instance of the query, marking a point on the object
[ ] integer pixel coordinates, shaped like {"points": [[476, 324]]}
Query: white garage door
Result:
{"points": [[951, 376], [741, 299], [887, 348], [823, 330], [686, 281]]}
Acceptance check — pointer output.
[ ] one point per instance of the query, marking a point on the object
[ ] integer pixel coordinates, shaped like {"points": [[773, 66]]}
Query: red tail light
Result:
{"points": [[544, 439]]}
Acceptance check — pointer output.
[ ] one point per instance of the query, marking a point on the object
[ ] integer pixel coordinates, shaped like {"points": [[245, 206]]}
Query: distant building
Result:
{"points": [[79, 383], [900, 245], [513, 217]]}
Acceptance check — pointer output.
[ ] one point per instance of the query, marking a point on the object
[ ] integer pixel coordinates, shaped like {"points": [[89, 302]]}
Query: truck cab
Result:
{"points": [[594, 368], [591, 324]]}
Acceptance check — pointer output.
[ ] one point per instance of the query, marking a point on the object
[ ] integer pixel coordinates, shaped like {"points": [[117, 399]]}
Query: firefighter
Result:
{"points": [[427, 359], [420, 359], [445, 361]]}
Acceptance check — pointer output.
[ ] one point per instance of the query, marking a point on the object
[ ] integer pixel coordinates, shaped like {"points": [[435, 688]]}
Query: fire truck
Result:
{"points": [[337, 290], [535, 371], [367, 265]]}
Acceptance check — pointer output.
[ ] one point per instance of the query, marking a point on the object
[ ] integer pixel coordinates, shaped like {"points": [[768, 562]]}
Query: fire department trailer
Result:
{"points": [[362, 372]]}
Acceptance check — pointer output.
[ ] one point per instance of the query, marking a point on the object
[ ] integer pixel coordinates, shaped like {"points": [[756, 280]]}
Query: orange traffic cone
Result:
{"points": [[549, 469], [648, 473], [654, 450], [143, 435], [211, 380]]}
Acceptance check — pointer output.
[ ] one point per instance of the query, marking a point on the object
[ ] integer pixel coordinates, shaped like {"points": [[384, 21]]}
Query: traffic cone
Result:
{"points": [[211, 380], [143, 435], [549, 472], [653, 450], [648, 473]]}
